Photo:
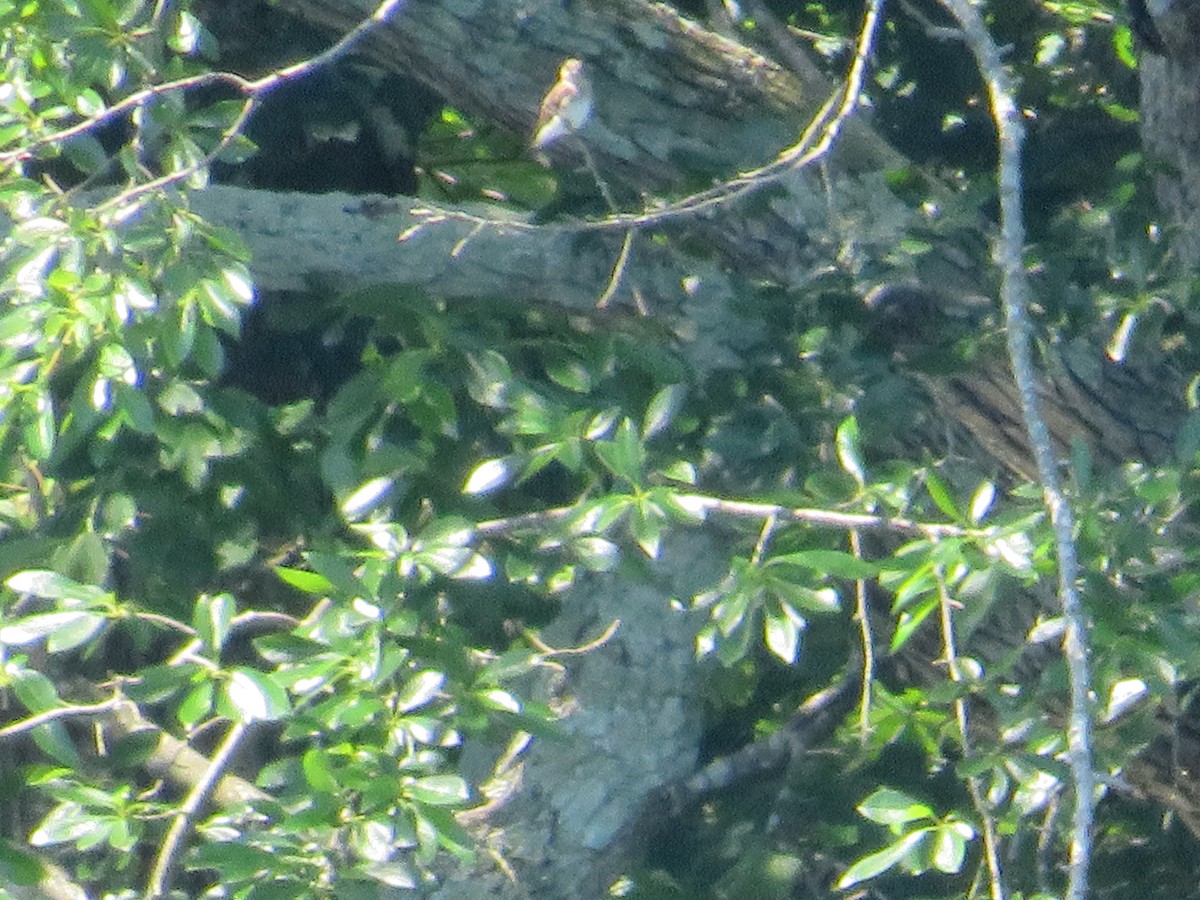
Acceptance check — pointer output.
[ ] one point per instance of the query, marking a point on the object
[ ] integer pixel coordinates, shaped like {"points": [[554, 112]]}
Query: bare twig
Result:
{"points": [[1014, 294], [622, 263], [546, 650], [64, 712], [700, 505], [254, 90], [862, 612], [991, 837], [815, 144], [168, 854]]}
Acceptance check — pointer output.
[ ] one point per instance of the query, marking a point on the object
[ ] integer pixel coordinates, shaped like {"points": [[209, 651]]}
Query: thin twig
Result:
{"points": [[815, 144], [253, 90], [764, 536], [172, 846], [546, 650], [991, 837], [622, 263], [702, 504], [62, 712], [862, 613], [1014, 295]]}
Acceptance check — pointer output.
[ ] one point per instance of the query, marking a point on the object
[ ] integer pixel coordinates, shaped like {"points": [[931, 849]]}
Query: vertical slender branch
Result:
{"points": [[991, 837], [1014, 294], [862, 613]]}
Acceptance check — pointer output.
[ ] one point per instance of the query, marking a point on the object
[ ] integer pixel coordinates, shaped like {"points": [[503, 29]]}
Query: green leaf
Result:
{"points": [[75, 626], [848, 450], [910, 620], [254, 697], [596, 553], [941, 496], [1123, 46], [570, 374], [302, 580], [318, 771], [53, 740], [212, 619], [828, 562], [35, 691], [662, 409], [648, 525], [234, 860], [878, 863], [65, 823], [891, 807], [404, 378], [441, 790], [782, 634], [491, 475], [53, 586], [419, 690], [39, 425], [74, 633], [196, 706], [680, 471], [19, 868], [950, 846], [623, 456]]}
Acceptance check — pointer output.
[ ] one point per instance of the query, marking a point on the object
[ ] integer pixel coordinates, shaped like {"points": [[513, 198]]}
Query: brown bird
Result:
{"points": [[566, 107]]}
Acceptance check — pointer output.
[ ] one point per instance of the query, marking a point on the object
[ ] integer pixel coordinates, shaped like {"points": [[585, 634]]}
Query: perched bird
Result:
{"points": [[566, 106]]}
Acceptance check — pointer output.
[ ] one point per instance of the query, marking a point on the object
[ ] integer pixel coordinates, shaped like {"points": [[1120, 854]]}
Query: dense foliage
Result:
{"points": [[315, 536]]}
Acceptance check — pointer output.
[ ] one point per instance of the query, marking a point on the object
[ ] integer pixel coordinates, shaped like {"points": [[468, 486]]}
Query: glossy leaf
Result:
{"points": [[849, 452], [254, 697], [878, 863]]}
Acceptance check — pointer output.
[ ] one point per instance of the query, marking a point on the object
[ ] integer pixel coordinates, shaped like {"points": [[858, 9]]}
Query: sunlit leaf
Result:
{"points": [[53, 586], [308, 582], [366, 497], [948, 850], [490, 475], [781, 633], [849, 452], [878, 863], [1124, 696], [74, 627], [828, 562], [662, 409], [419, 690], [441, 790], [891, 807], [255, 697], [982, 502], [499, 700]]}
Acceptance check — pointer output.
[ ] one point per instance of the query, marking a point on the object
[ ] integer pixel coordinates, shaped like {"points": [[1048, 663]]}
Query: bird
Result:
{"points": [[566, 107]]}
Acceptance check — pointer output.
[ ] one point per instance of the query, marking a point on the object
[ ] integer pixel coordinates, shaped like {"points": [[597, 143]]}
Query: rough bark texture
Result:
{"points": [[634, 725], [674, 104], [1171, 118]]}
